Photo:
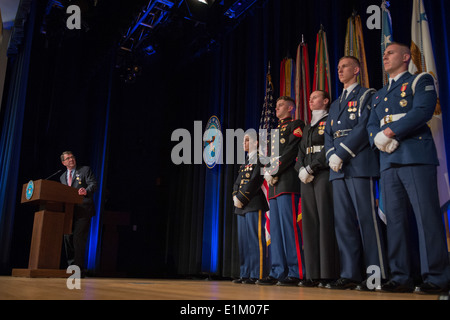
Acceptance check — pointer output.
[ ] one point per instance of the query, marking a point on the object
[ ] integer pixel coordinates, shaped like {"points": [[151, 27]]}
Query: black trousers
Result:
{"points": [[319, 239], [75, 243]]}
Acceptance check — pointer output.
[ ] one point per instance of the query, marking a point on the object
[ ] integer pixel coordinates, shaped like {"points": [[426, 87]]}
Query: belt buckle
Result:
{"points": [[387, 119]]}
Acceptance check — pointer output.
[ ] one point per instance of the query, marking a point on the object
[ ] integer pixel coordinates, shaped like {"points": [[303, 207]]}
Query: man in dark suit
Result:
{"points": [[284, 194], [408, 159], [250, 207], [82, 178], [353, 166]]}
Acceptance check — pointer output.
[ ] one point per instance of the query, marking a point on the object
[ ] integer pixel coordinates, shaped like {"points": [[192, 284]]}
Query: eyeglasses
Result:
{"points": [[68, 158]]}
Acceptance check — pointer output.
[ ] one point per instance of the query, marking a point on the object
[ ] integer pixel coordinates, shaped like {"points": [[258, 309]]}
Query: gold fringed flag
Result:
{"points": [[287, 78], [302, 83], [322, 78], [354, 46], [422, 60]]}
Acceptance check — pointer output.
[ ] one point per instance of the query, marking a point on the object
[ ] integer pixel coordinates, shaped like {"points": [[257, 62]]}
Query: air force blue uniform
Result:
{"points": [[357, 225], [409, 175]]}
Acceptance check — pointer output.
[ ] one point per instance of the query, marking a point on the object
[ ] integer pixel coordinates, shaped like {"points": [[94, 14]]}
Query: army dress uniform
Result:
{"points": [[285, 233], [319, 239], [408, 174], [358, 229], [251, 220]]}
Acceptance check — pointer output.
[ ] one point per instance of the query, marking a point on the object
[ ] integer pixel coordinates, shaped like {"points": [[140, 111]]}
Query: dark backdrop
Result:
{"points": [[76, 100]]}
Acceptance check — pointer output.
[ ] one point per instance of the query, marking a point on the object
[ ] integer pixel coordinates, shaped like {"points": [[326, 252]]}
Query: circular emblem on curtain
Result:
{"points": [[30, 190], [212, 139]]}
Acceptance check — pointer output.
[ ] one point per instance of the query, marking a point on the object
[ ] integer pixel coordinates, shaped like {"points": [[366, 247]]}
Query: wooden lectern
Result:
{"points": [[54, 219]]}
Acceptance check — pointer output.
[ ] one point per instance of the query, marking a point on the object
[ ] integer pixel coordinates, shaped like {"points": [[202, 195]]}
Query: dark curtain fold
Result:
{"points": [[12, 122]]}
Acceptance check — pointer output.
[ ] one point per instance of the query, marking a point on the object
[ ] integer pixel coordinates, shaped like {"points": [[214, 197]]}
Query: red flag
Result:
{"points": [[302, 83]]}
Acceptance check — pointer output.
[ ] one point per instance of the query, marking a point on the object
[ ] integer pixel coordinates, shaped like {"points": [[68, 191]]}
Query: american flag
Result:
{"points": [[268, 121], [268, 115]]}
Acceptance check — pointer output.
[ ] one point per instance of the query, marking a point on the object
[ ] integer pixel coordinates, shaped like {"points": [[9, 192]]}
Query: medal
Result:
{"points": [[282, 140], [404, 86], [352, 116], [403, 103], [321, 132]]}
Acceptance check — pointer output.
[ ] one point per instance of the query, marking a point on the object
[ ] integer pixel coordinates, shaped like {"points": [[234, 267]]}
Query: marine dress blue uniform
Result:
{"points": [[358, 228], [286, 239], [408, 175], [251, 220]]}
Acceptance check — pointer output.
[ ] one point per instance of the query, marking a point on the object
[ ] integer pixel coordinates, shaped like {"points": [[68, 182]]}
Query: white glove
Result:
{"points": [[268, 178], [237, 203], [274, 181], [335, 163], [304, 176], [381, 140], [392, 146]]}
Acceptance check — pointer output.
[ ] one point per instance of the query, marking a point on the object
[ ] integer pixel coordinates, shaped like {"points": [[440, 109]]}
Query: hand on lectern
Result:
{"points": [[82, 192]]}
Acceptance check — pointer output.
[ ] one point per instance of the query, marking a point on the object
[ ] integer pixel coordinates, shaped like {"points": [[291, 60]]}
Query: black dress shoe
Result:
{"points": [[249, 281], [343, 284], [269, 281], [289, 281], [393, 286], [309, 283], [363, 287], [429, 288], [240, 280], [323, 283]]}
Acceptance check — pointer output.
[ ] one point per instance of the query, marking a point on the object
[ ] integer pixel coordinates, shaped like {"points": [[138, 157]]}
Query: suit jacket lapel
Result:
{"points": [[74, 178]]}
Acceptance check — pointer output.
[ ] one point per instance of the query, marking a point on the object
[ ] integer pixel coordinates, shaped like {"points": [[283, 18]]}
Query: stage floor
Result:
{"points": [[18, 288]]}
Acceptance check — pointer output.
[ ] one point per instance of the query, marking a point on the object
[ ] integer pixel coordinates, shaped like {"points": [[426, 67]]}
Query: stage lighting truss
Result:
{"points": [[154, 14], [238, 8]]}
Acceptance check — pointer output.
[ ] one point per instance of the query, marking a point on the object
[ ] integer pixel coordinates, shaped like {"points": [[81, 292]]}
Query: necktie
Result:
{"points": [[69, 178], [344, 95], [391, 84]]}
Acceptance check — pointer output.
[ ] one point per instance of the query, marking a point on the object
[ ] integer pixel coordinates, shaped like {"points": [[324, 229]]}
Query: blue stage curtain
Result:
{"points": [[12, 122]]}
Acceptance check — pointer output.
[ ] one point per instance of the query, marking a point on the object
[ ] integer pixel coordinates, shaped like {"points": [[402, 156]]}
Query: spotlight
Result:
{"points": [[149, 50]]}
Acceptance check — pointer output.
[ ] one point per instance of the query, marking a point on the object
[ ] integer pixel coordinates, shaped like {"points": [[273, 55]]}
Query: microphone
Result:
{"points": [[53, 174]]}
